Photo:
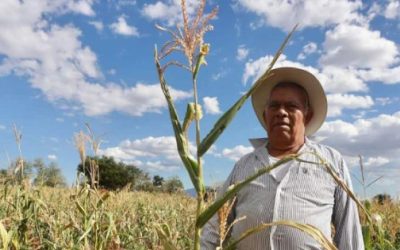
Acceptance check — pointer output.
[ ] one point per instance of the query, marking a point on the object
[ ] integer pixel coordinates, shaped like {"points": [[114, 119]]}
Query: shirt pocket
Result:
{"points": [[314, 184]]}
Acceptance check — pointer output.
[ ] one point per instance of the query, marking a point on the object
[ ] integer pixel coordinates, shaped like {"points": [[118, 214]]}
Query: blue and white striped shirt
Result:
{"points": [[307, 194]]}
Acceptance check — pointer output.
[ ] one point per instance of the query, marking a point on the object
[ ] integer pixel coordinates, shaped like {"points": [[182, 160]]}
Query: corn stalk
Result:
{"points": [[193, 164]]}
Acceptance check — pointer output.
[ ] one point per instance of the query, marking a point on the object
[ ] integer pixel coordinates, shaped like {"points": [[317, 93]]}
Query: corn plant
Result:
{"points": [[189, 39]]}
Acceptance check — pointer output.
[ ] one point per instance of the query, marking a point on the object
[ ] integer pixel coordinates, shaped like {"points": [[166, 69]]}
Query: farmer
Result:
{"points": [[291, 105]]}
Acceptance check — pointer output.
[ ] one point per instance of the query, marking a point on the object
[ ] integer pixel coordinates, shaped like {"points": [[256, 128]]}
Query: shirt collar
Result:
{"points": [[261, 142]]}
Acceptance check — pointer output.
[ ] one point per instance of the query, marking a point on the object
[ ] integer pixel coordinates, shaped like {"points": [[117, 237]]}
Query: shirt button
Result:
{"points": [[305, 171]]}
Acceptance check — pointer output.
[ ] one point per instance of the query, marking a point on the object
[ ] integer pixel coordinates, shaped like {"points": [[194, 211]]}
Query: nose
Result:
{"points": [[281, 111]]}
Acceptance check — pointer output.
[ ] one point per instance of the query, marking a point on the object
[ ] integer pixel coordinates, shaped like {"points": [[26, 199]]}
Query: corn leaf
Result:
{"points": [[4, 236], [191, 113], [163, 232], [309, 229], [231, 192], [88, 229], [181, 141], [366, 231], [80, 208], [227, 117], [102, 199]]}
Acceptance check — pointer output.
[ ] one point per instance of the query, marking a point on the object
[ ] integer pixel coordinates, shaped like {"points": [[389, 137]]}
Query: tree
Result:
{"points": [[113, 175], [19, 165], [48, 175], [173, 185], [3, 175], [382, 198], [158, 181]]}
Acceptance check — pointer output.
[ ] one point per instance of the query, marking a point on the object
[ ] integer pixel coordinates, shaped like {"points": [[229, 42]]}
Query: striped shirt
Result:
{"points": [[307, 194]]}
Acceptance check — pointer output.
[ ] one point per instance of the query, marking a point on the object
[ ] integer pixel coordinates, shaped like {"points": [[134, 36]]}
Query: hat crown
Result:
{"points": [[315, 92]]}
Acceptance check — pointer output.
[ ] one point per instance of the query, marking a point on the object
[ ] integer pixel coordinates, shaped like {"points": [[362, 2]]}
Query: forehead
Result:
{"points": [[288, 92]]}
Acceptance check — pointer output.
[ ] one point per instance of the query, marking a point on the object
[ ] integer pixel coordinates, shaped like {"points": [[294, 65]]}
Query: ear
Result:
{"points": [[264, 116], [309, 115]]}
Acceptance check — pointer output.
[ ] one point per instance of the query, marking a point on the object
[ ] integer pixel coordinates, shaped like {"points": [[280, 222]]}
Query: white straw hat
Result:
{"points": [[303, 78]]}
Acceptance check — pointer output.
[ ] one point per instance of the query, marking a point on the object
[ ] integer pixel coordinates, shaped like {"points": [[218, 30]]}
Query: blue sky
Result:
{"points": [[64, 63]]}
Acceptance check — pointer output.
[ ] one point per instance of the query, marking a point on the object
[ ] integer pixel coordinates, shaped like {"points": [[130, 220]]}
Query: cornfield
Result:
{"points": [[51, 218]]}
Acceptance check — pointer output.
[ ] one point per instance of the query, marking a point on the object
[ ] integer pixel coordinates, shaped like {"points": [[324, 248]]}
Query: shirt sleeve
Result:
{"points": [[210, 234], [348, 234]]}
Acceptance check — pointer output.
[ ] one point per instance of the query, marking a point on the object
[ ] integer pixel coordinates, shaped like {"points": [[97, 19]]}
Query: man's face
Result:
{"points": [[286, 114]]}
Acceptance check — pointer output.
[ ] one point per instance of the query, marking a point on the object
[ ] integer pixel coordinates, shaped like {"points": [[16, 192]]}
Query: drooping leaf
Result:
{"points": [[181, 141], [232, 191], [164, 234], [306, 228], [227, 117]]}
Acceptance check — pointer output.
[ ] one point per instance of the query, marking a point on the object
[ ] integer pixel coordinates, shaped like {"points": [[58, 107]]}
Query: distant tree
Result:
{"points": [[158, 181], [40, 167], [47, 175], [3, 175], [173, 185], [3, 172], [382, 198], [19, 165], [146, 186], [113, 175]]}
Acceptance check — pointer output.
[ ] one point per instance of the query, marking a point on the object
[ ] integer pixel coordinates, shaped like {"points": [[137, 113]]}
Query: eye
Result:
{"points": [[273, 105], [293, 106]]}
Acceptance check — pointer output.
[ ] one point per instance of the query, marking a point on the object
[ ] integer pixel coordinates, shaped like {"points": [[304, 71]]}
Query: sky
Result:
{"points": [[65, 63]]}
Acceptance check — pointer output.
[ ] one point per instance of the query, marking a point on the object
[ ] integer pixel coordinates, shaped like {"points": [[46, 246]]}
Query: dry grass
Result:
{"points": [[49, 218], [389, 211]]}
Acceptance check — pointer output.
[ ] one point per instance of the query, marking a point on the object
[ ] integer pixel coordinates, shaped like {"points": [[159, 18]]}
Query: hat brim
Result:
{"points": [[303, 78]]}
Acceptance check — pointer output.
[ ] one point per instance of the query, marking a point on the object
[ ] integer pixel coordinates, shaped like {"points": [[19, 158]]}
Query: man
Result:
{"points": [[290, 105]]}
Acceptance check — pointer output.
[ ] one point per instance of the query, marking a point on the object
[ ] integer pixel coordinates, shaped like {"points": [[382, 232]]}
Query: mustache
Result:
{"points": [[278, 123]]}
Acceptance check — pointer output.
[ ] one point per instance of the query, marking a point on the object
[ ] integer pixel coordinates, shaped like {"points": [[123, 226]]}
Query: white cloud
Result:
{"points": [[385, 75], [392, 10], [342, 80], [54, 139], [155, 166], [255, 68], [211, 105], [55, 61], [242, 53], [83, 7], [99, 26], [333, 79], [168, 12], [348, 61], [121, 27], [112, 71], [219, 75], [372, 137], [151, 153], [376, 161], [136, 101], [308, 49], [383, 101], [375, 139], [236, 152], [2, 127], [366, 50], [374, 10], [285, 14], [52, 157], [120, 4], [338, 102]]}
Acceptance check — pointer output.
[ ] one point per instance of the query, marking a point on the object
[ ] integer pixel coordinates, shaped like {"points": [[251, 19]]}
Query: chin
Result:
{"points": [[282, 136]]}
